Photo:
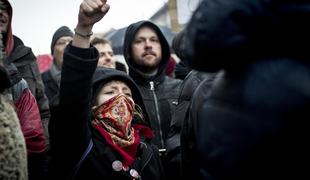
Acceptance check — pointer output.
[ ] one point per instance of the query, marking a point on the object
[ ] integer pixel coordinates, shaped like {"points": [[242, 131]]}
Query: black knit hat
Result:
{"points": [[104, 75], [60, 32]]}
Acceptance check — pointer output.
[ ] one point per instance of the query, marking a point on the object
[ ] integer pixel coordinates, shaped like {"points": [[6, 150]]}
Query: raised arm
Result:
{"points": [[69, 126], [91, 11]]}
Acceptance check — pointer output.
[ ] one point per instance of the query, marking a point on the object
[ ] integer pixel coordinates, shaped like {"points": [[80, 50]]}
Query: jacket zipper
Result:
{"points": [[152, 88]]}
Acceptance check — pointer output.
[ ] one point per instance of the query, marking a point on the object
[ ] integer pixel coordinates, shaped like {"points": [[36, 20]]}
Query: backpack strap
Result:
{"points": [[86, 152]]}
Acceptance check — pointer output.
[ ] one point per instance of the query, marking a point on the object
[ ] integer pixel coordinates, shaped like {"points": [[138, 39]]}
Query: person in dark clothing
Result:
{"points": [[25, 61], [189, 85], [20, 64], [103, 110], [181, 141], [51, 78], [253, 123], [181, 68], [147, 53], [174, 145]]}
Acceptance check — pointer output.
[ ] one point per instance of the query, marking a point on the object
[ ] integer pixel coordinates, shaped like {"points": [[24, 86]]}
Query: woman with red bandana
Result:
{"points": [[100, 129]]}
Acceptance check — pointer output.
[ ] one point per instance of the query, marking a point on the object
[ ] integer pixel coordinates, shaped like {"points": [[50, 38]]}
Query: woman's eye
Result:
{"points": [[138, 41], [109, 92], [128, 94], [154, 40], [101, 54]]}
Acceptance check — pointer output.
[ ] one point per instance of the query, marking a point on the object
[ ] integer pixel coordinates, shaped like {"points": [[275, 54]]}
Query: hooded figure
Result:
{"points": [[253, 123], [26, 86], [25, 61], [159, 92], [109, 138]]}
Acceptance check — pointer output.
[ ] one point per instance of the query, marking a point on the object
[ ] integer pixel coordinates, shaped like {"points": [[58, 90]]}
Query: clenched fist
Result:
{"points": [[92, 11]]}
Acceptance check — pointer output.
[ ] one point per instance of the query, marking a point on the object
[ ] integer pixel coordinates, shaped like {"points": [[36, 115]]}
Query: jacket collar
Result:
{"points": [[144, 80]]}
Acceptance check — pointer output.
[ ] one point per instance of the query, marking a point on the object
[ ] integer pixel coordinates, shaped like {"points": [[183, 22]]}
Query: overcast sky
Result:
{"points": [[35, 21]]}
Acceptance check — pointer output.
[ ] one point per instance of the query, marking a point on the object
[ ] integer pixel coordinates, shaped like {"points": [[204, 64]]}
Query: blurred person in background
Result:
{"points": [[25, 61], [51, 78], [106, 54], [25, 79], [107, 58], [252, 124]]}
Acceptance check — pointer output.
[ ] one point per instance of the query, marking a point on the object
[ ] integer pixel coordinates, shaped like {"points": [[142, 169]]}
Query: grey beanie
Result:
{"points": [[60, 32]]}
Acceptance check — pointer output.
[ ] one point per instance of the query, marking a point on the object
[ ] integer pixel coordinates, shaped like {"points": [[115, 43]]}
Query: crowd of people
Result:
{"points": [[235, 105]]}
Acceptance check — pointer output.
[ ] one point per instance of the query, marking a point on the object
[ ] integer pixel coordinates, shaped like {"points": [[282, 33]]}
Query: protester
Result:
{"points": [[147, 53], [19, 94], [51, 78], [28, 114], [13, 156], [112, 139], [252, 124], [25, 61], [105, 52], [180, 115]]}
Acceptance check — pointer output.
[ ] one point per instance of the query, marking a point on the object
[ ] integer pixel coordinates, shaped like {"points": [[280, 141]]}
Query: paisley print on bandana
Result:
{"points": [[115, 116]]}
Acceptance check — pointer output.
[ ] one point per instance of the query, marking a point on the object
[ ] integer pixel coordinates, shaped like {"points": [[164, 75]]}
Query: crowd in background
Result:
{"points": [[227, 99]]}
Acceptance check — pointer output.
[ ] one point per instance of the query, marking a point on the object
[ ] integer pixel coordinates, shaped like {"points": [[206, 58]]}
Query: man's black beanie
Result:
{"points": [[60, 32]]}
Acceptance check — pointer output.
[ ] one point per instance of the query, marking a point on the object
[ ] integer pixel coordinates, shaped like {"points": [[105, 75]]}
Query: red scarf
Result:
{"points": [[113, 121]]}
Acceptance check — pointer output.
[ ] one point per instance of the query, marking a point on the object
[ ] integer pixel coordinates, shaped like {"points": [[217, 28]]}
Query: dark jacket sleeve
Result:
{"points": [[69, 125]]}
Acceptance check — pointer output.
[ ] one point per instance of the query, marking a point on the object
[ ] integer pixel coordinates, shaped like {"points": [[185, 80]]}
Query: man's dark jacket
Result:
{"points": [[160, 92]]}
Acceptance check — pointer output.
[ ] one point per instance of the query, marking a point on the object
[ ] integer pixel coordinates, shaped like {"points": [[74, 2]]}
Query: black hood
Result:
{"points": [[129, 37], [227, 34], [104, 75]]}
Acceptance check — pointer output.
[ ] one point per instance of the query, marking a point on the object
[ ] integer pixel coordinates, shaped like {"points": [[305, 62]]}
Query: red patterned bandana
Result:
{"points": [[115, 116], [113, 121]]}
